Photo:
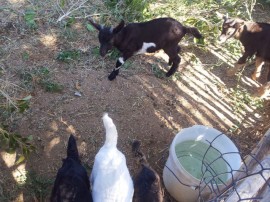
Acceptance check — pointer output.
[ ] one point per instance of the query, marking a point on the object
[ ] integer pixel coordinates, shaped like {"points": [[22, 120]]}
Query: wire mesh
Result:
{"points": [[250, 182]]}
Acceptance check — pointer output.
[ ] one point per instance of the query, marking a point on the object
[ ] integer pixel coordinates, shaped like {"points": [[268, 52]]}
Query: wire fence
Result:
{"points": [[250, 182]]}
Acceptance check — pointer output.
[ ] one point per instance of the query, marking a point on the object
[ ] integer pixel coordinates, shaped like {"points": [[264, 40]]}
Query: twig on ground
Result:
{"points": [[8, 98], [89, 16], [76, 6]]}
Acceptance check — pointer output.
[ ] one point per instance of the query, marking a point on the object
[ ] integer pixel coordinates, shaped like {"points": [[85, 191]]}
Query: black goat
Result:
{"points": [[72, 182], [147, 183], [137, 38], [255, 37]]}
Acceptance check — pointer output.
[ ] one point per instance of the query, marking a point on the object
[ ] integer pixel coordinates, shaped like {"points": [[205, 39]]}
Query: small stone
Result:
{"points": [[77, 93]]}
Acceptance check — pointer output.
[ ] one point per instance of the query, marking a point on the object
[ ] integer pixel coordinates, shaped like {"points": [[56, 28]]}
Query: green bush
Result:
{"points": [[68, 55], [41, 76], [130, 10], [38, 186], [11, 142], [29, 18]]}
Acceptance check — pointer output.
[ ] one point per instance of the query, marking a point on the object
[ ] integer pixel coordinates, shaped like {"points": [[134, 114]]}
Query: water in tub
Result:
{"points": [[191, 155]]}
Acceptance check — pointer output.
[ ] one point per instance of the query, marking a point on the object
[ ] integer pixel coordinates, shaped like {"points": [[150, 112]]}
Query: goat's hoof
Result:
{"points": [[168, 74], [171, 72], [113, 75], [263, 92], [253, 77]]}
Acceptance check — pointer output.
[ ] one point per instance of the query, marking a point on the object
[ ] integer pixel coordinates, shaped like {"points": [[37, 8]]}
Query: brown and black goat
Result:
{"points": [[138, 38], [255, 37], [147, 183]]}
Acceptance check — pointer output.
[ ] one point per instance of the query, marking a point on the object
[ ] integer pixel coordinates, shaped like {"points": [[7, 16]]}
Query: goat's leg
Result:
{"points": [[264, 91], [175, 63], [170, 62], [240, 64], [174, 59], [268, 72], [119, 63], [115, 71], [172, 51], [178, 50], [257, 72]]}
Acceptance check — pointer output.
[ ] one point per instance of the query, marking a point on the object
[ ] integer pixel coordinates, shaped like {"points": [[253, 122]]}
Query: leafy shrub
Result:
{"points": [[42, 77], [52, 87], [23, 104], [69, 55], [10, 142], [29, 18], [39, 187], [19, 105], [158, 72], [130, 10], [241, 97]]}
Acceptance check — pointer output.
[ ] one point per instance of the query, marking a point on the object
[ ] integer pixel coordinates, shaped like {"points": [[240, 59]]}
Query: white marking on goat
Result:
{"points": [[258, 69], [121, 60], [111, 30], [145, 46]]}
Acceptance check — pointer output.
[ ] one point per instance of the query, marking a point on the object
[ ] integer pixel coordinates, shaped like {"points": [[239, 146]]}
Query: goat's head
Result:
{"points": [[106, 35], [230, 28]]}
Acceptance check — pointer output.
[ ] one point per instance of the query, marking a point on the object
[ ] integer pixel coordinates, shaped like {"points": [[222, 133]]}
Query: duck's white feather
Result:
{"points": [[110, 178]]}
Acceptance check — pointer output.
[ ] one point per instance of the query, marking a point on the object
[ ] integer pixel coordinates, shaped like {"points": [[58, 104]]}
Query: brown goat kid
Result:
{"points": [[147, 182], [255, 37], [138, 38]]}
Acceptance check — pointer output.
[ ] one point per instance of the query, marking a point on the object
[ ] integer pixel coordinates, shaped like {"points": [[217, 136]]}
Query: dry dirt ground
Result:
{"points": [[142, 105]]}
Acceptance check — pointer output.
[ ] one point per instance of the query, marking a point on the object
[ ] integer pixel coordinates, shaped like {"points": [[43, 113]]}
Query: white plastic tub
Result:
{"points": [[181, 182]]}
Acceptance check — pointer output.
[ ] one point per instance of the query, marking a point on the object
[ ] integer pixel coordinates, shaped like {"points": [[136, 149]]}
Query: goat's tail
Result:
{"points": [[72, 150], [138, 153], [111, 132], [194, 31]]}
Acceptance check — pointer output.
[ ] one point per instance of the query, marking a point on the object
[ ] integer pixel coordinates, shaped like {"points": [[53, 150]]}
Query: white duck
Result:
{"points": [[110, 178]]}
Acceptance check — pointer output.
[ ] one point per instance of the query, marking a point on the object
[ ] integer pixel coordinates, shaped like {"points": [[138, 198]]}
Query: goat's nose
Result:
{"points": [[103, 50]]}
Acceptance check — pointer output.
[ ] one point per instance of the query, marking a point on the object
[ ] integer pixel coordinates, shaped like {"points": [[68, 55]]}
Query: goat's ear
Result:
{"points": [[237, 23], [119, 27], [226, 17], [220, 15], [97, 26], [231, 22]]}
